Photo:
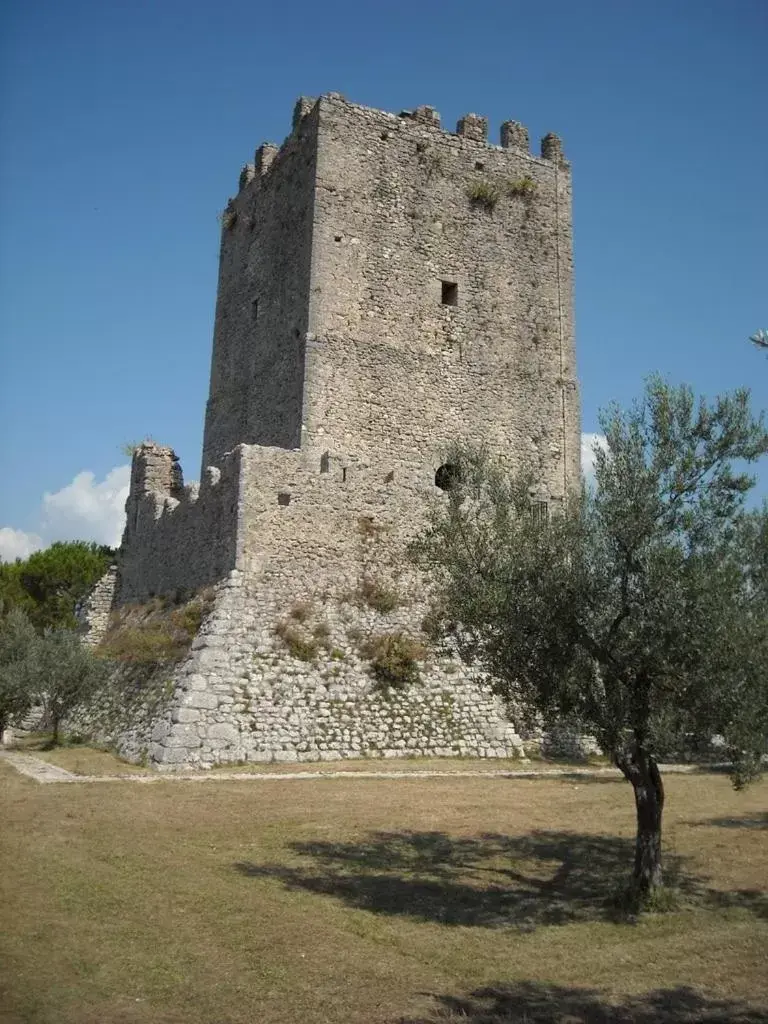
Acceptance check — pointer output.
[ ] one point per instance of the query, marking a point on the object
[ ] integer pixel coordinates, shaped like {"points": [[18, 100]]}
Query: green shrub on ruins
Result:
{"points": [[484, 193], [300, 611], [521, 187], [152, 633], [228, 219], [394, 658], [378, 595], [299, 645]]}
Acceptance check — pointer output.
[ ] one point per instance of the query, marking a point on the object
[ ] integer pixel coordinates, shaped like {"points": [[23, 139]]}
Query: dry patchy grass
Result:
{"points": [[376, 901]]}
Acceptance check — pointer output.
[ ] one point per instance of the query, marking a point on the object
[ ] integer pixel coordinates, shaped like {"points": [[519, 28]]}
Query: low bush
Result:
{"points": [[521, 187], [152, 633], [378, 595], [484, 193], [394, 658], [301, 646]]}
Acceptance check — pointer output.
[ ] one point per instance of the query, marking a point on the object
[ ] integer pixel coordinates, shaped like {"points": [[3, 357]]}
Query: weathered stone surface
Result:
{"points": [[370, 310]]}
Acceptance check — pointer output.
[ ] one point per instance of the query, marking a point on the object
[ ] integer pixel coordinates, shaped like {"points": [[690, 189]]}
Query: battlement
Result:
{"points": [[470, 128]]}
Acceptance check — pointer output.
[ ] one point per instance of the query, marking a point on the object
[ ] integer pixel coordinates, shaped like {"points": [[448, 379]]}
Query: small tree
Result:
{"points": [[68, 674], [17, 637], [640, 609]]}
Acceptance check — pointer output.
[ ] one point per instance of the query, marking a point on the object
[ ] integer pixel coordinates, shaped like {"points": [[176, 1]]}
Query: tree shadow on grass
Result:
{"points": [[757, 821], [489, 881], [535, 1003]]}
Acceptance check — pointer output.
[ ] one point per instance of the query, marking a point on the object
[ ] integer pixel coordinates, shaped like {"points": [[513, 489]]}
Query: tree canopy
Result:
{"points": [[639, 608], [48, 584]]}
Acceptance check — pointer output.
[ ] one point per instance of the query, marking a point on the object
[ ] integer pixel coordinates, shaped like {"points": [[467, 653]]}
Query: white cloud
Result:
{"points": [[588, 444], [18, 544], [86, 509]]}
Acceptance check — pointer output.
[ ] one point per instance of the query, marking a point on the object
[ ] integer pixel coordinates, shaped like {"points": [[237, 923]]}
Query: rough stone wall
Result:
{"points": [[373, 307], [257, 368], [393, 372], [93, 614], [177, 537], [241, 696]]}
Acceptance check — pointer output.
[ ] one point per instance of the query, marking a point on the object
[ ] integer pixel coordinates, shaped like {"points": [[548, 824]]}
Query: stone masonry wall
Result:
{"points": [[93, 614], [374, 306], [177, 537], [241, 696], [257, 367], [394, 372]]}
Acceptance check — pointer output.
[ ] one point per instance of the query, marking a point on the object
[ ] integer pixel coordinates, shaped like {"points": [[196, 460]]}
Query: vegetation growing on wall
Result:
{"points": [[483, 193], [394, 658], [159, 631]]}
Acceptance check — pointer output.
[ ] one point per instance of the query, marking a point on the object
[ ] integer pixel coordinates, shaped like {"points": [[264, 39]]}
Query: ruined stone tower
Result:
{"points": [[385, 287]]}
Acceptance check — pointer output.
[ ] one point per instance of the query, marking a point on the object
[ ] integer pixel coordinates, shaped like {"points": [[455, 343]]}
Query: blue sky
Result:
{"points": [[123, 127]]}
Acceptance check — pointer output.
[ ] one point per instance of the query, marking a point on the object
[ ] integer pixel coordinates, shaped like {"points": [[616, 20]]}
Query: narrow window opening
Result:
{"points": [[283, 498], [479, 165], [449, 295], [447, 476], [337, 238], [540, 511], [325, 462], [254, 310], [344, 475]]}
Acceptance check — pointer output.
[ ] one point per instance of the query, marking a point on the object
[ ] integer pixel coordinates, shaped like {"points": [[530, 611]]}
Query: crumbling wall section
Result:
{"points": [[177, 537], [93, 614]]}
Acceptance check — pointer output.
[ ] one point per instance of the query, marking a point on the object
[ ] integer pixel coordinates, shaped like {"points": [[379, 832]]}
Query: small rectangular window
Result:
{"points": [[254, 310], [540, 511], [450, 293]]}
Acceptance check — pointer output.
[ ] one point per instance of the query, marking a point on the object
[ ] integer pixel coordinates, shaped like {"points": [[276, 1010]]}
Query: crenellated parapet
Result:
{"points": [[514, 136], [473, 126], [264, 157], [470, 128], [155, 469]]}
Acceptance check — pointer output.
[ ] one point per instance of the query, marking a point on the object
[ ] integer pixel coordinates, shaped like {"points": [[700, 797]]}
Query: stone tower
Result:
{"points": [[385, 288], [386, 285]]}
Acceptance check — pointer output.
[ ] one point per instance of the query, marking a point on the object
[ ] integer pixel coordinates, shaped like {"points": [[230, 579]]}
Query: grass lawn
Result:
{"points": [[374, 902]]}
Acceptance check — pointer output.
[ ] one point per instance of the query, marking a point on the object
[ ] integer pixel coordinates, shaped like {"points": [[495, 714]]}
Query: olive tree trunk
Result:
{"points": [[640, 768]]}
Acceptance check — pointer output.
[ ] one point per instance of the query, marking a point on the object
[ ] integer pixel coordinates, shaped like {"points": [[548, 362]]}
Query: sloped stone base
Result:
{"points": [[241, 696]]}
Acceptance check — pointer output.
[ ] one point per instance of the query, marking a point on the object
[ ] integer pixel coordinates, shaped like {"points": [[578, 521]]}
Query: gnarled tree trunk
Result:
{"points": [[639, 767]]}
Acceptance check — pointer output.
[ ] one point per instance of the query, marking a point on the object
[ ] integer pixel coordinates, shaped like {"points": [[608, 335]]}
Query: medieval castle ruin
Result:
{"points": [[385, 287]]}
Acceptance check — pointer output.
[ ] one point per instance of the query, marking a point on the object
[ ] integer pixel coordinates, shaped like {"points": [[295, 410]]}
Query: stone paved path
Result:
{"points": [[41, 771]]}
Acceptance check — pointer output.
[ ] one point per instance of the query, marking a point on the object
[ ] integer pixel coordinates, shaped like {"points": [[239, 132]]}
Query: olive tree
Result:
{"points": [[639, 608], [68, 675], [17, 637]]}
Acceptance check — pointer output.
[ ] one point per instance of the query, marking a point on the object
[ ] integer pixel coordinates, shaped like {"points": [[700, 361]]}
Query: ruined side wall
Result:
{"points": [[394, 375], [93, 614], [257, 368], [176, 537]]}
